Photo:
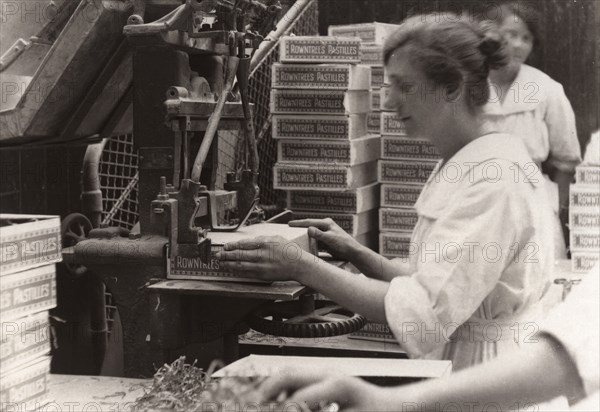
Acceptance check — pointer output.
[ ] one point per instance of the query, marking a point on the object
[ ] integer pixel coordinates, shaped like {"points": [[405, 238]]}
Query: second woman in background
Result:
{"points": [[530, 104]]}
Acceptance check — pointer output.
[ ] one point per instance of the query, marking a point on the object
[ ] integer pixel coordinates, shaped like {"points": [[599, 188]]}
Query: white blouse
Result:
{"points": [[481, 256], [536, 108]]}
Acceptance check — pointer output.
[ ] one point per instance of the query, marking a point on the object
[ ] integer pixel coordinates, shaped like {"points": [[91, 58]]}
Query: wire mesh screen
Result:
{"points": [[305, 24], [118, 175], [118, 165]]}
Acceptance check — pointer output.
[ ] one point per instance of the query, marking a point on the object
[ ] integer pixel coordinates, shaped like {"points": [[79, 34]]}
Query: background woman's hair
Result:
{"points": [[524, 11], [452, 51]]}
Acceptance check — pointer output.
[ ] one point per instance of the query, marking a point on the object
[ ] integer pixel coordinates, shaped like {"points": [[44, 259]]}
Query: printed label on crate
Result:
{"points": [[580, 219], [319, 127], [371, 54], [584, 196], [24, 339], [27, 241], [391, 125], [393, 147], [319, 49], [375, 100], [585, 240], [397, 220], [303, 151], [192, 267], [321, 76], [24, 293], [25, 388], [351, 201], [374, 331], [365, 149], [583, 262], [342, 102], [406, 171], [587, 175], [368, 32], [323, 176], [377, 77], [374, 123], [395, 244], [399, 196], [354, 224]]}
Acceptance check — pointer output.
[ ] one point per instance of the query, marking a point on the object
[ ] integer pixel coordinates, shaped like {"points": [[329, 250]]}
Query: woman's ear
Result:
{"points": [[453, 91]]}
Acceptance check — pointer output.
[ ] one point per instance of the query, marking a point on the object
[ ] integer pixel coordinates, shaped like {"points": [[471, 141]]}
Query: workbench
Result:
{"points": [[94, 393], [114, 394], [557, 291]]}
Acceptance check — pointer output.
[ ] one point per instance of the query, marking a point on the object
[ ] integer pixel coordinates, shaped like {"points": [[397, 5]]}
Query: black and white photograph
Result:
{"points": [[299, 205]]}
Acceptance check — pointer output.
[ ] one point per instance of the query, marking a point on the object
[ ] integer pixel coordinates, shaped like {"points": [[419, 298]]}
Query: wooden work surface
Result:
{"points": [[562, 269], [554, 294], [105, 393], [258, 365], [94, 393], [338, 343], [273, 291]]}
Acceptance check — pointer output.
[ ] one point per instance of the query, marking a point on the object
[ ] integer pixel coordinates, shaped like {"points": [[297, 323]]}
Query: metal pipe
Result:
{"points": [[98, 324], [91, 195], [284, 24]]}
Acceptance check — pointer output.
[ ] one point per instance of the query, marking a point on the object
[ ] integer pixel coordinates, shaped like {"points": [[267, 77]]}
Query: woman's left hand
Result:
{"points": [[268, 258]]}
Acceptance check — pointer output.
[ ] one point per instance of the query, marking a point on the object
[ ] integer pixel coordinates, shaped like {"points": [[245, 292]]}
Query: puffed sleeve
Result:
{"points": [[565, 152], [462, 257], [575, 323]]}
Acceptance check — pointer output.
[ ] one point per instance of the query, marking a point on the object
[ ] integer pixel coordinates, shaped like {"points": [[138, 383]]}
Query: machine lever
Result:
{"points": [[247, 123], [213, 121], [284, 217]]}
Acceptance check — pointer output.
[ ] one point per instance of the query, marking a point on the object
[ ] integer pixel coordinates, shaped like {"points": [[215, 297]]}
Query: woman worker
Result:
{"points": [[481, 255], [530, 104]]}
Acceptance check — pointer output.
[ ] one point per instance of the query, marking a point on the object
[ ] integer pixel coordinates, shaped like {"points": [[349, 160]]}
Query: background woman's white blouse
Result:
{"points": [[536, 109]]}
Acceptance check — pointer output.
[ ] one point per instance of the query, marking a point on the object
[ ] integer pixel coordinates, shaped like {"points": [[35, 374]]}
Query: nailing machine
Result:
{"points": [[190, 80]]}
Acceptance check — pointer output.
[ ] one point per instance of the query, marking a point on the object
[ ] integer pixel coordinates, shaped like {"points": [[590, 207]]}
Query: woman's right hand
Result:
{"points": [[332, 238], [315, 392]]}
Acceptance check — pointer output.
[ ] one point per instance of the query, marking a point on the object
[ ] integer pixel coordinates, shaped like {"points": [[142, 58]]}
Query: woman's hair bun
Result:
{"points": [[492, 45]]}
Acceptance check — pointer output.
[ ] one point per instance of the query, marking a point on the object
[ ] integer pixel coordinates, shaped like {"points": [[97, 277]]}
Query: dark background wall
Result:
{"points": [[42, 180], [570, 40]]}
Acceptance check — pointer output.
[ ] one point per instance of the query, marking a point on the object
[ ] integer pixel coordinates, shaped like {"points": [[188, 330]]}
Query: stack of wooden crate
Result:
{"points": [[406, 164], [326, 160], [373, 36], [584, 218], [30, 246]]}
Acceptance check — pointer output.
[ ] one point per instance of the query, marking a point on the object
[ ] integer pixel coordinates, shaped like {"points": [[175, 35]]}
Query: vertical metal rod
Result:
{"points": [[177, 159], [186, 154]]}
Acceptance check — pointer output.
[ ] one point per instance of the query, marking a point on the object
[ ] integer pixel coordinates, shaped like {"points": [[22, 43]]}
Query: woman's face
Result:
{"points": [[519, 39], [417, 100]]}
